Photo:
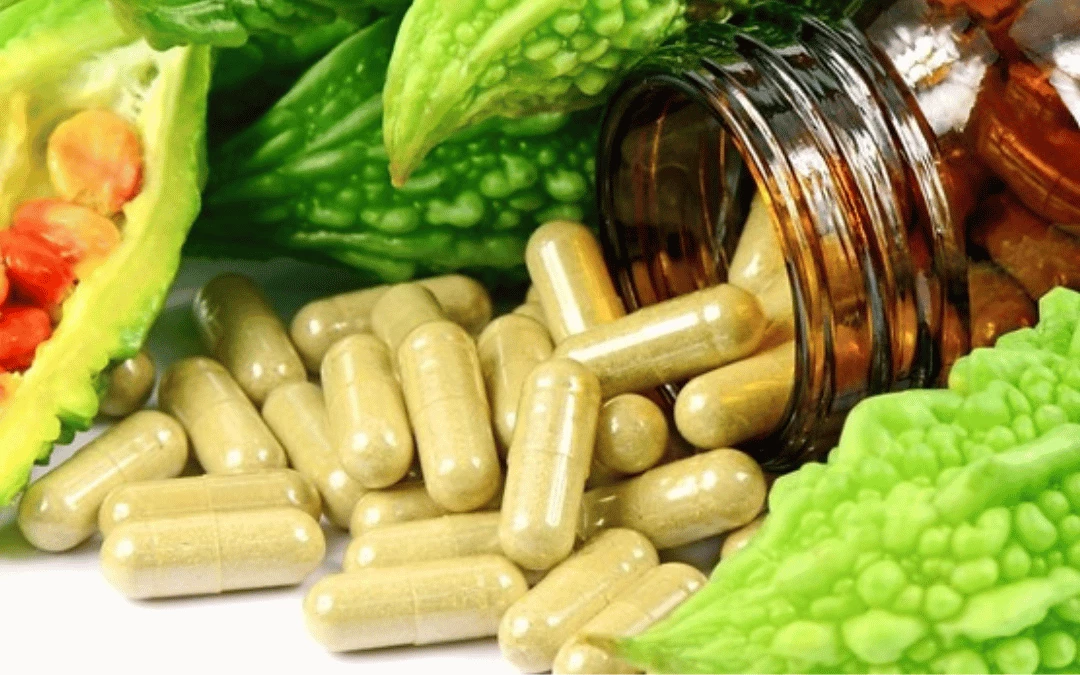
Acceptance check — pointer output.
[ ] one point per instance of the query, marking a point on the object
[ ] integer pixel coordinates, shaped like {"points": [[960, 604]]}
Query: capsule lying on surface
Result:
{"points": [[400, 504], [321, 323], [240, 329], [402, 309], [509, 348], [226, 431], [536, 626], [212, 553], [414, 604], [670, 341], [60, 510], [682, 502], [451, 536], [631, 435], [130, 384], [156, 499], [444, 393], [369, 425]]}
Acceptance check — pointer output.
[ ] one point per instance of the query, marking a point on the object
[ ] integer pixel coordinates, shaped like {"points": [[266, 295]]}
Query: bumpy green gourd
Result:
{"points": [[458, 63], [310, 178], [942, 536]]}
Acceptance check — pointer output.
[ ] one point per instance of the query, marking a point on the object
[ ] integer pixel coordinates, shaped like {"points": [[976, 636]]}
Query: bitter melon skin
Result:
{"points": [[459, 63], [942, 535], [110, 312], [311, 178]]}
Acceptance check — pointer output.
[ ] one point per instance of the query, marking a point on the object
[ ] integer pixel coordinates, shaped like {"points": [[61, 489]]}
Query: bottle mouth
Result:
{"points": [[848, 170]]}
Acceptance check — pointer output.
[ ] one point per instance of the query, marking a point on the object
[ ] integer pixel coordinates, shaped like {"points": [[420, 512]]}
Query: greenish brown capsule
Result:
{"points": [[509, 348], [130, 384], [450, 536], [402, 309], [60, 510]]}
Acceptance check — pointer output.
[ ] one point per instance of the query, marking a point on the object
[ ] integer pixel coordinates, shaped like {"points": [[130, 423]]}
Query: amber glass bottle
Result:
{"points": [[900, 155]]}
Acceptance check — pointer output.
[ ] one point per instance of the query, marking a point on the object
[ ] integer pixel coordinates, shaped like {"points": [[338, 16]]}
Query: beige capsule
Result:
{"points": [[400, 504], [227, 432], [632, 434], [509, 348], [738, 540], [670, 341], [738, 402], [321, 323], [536, 626], [369, 425], [212, 552], [415, 604], [401, 309], [571, 279], [450, 536], [758, 264], [678, 503], [240, 329], [531, 310], [548, 463], [654, 596], [59, 510], [295, 412], [444, 393], [130, 384], [175, 497]]}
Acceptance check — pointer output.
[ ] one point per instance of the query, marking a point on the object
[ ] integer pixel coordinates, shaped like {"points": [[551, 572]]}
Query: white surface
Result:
{"points": [[57, 612]]}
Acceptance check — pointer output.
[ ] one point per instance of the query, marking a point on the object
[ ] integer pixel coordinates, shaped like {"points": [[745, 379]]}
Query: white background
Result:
{"points": [[57, 613]]}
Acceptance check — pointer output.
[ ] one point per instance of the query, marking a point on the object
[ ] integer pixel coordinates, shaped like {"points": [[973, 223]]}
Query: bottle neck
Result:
{"points": [[827, 131]]}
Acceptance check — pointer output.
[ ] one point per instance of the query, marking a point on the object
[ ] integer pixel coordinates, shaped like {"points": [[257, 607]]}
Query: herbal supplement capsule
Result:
{"points": [[226, 431], [737, 402], [737, 540], [571, 279], [444, 393], [59, 510], [401, 310], [548, 464], [369, 426], [321, 323], [670, 341], [509, 348], [654, 596], [414, 604], [212, 552], [535, 627], [532, 310], [130, 384], [681, 502], [240, 329], [631, 435], [400, 504], [758, 264], [451, 536], [155, 499], [295, 412]]}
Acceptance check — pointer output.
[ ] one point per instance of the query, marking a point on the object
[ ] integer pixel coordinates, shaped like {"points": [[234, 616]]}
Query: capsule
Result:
{"points": [[212, 552], [737, 540], [670, 341], [295, 412], [537, 625], [400, 504], [657, 593], [59, 510], [703, 554], [548, 464], [450, 536], [415, 604], [130, 384], [226, 431], [402, 309], [532, 310], [738, 402], [319, 324], [759, 266], [681, 502], [571, 279], [509, 348], [369, 425], [444, 393], [632, 434], [155, 499], [240, 329]]}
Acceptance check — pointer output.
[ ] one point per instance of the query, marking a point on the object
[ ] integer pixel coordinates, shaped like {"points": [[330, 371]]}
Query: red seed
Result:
{"points": [[37, 272], [81, 236], [95, 159], [22, 329], [5, 285]]}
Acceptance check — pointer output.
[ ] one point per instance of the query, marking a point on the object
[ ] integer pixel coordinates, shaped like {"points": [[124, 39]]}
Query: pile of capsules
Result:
{"points": [[548, 476]]}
